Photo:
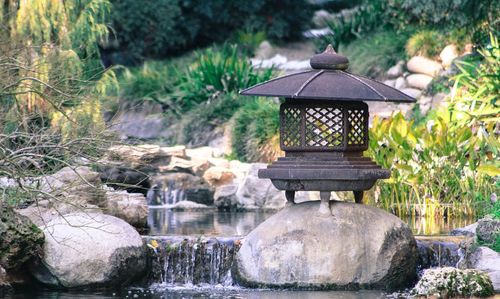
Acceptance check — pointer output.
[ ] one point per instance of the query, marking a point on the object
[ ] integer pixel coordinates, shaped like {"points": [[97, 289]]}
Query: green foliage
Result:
{"points": [[426, 43], [475, 97], [157, 28], [373, 54], [255, 125], [215, 71]]}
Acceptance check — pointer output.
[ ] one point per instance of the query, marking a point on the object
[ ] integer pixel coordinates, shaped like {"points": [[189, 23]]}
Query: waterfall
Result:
{"points": [[191, 260], [161, 195]]}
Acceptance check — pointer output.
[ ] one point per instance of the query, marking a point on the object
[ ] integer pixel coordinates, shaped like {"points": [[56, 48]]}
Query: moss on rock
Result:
{"points": [[20, 239]]}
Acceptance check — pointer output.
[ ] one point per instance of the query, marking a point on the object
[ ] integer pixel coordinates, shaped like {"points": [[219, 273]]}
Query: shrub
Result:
{"points": [[255, 130], [428, 43]]}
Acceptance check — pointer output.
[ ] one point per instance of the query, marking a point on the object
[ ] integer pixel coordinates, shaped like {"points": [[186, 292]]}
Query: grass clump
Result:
{"points": [[428, 43], [375, 53]]}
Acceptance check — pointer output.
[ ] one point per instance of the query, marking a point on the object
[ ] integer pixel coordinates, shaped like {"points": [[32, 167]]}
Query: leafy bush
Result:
{"points": [[215, 71], [157, 28], [428, 43], [255, 131]]}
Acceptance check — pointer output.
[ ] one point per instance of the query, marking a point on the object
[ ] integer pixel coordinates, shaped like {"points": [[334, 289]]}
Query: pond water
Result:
{"points": [[212, 222], [215, 292]]}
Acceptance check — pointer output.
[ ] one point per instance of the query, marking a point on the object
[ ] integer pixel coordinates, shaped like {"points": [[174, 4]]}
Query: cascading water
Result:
{"points": [[182, 260], [165, 195]]}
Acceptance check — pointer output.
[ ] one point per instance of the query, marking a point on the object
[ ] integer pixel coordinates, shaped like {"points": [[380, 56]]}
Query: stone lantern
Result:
{"points": [[324, 129]]}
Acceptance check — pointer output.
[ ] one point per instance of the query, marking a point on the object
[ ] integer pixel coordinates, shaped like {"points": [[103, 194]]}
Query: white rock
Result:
{"points": [[400, 83], [203, 152], [412, 92], [447, 55], [390, 83], [423, 65], [425, 103], [359, 246], [419, 81], [86, 249], [225, 197], [396, 70]]}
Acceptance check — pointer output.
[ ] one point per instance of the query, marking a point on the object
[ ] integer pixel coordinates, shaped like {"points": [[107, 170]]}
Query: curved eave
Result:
{"points": [[328, 85]]}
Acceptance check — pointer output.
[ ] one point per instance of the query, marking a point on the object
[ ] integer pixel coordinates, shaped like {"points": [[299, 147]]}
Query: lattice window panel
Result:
{"points": [[323, 127], [291, 121], [357, 122]]}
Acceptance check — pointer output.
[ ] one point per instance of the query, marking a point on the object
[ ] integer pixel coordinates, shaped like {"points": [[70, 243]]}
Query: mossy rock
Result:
{"points": [[20, 239], [451, 282]]}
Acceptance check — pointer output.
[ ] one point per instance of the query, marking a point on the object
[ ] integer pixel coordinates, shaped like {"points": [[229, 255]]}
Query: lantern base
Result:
{"points": [[342, 173]]}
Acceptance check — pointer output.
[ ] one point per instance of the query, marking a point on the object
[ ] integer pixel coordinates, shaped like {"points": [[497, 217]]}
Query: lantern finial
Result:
{"points": [[329, 60]]}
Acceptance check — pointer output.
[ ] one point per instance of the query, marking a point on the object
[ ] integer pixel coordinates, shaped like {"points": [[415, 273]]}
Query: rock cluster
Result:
{"points": [[421, 71]]}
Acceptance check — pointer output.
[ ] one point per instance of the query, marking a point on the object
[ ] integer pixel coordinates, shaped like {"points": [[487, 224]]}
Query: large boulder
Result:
{"points": [[396, 70], [85, 249], [20, 239], [447, 55], [131, 207], [450, 282], [358, 247], [218, 176], [423, 65]]}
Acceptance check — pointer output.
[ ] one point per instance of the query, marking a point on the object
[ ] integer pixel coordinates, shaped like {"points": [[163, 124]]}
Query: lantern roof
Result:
{"points": [[328, 80]]}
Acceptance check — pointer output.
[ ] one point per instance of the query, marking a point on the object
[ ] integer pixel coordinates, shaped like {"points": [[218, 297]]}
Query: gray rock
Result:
{"points": [[419, 81], [396, 70], [225, 197], [488, 229], [131, 207], [400, 83], [256, 193], [487, 260], [422, 65], [90, 250], [358, 247], [469, 230], [264, 51]]}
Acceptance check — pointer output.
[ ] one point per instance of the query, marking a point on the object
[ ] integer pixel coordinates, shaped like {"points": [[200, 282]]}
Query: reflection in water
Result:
{"points": [[203, 222], [224, 223]]}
